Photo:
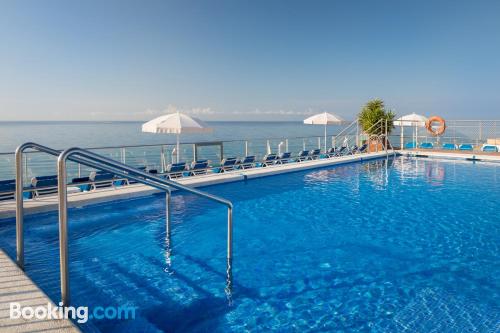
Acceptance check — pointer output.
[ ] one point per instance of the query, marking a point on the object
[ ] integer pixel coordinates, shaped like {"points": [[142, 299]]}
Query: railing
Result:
{"points": [[350, 135], [474, 132], [88, 158], [158, 156]]}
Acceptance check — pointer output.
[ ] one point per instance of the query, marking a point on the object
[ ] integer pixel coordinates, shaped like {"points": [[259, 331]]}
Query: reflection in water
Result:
{"points": [[168, 256], [378, 172], [229, 283], [435, 174]]}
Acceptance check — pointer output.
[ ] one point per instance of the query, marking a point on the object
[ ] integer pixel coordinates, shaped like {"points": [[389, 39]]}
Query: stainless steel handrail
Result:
{"points": [[83, 156], [19, 191]]}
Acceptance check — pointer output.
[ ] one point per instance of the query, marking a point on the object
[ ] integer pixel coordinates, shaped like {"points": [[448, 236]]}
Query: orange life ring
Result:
{"points": [[440, 130]]}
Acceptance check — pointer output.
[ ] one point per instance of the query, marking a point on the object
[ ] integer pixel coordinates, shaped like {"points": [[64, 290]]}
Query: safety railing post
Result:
{"points": [[19, 209], [386, 132], [168, 219], [358, 143], [162, 159], [63, 230], [124, 154], [229, 282]]}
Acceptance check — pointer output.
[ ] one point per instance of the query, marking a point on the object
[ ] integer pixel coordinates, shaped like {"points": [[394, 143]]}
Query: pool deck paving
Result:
{"points": [[50, 203], [16, 286]]}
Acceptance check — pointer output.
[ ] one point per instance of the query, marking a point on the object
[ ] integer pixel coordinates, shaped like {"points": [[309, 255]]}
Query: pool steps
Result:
{"points": [[86, 157]]}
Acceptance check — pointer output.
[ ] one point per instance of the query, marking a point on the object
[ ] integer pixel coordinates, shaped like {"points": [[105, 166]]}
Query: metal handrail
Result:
{"points": [[99, 162], [20, 189], [84, 157]]}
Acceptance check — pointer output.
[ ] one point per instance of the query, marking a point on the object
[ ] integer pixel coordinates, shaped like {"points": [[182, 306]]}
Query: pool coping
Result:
{"points": [[16, 286], [50, 203], [451, 155]]}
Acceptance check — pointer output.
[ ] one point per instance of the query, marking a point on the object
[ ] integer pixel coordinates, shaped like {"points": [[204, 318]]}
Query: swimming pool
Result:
{"points": [[385, 245]]}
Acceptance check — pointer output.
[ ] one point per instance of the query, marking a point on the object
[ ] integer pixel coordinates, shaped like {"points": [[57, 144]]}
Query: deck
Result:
{"points": [[15, 286]]}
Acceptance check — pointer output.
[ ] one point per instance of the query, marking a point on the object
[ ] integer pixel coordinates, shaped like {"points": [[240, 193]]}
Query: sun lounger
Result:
{"points": [[102, 179], [198, 168], [426, 145], [360, 150], [303, 155], [466, 147], [227, 164], [411, 145], [7, 189], [342, 151], [43, 185], [490, 148], [449, 146], [315, 154], [284, 158], [269, 159], [246, 162], [83, 183], [175, 170], [331, 151]]}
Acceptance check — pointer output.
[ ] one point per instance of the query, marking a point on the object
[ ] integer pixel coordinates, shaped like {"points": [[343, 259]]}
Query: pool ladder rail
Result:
{"points": [[100, 162]]}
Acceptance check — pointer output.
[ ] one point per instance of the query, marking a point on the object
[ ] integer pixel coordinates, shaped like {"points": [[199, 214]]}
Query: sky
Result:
{"points": [[247, 60]]}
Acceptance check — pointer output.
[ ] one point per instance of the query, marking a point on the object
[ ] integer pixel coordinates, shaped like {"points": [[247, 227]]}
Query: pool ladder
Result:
{"points": [[100, 162]]}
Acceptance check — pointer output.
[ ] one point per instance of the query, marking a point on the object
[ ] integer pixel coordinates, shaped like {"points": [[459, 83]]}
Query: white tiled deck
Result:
{"points": [[15, 286]]}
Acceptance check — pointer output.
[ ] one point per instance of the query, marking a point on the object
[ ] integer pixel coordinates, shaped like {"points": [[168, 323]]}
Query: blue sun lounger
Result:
{"points": [[342, 151], [269, 159], [7, 189], [43, 185], [175, 170], [315, 154], [359, 150], [83, 183], [489, 148], [331, 152], [303, 155], [227, 164], [245, 163], [411, 145], [284, 158], [102, 179], [466, 147], [449, 146], [198, 168], [426, 145]]}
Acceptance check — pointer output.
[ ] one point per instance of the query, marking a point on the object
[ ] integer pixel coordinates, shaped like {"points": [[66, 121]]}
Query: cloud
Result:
{"points": [[197, 111], [308, 111]]}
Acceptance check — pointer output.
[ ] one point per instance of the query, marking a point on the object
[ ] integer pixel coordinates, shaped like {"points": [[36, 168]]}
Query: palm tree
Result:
{"points": [[371, 115]]}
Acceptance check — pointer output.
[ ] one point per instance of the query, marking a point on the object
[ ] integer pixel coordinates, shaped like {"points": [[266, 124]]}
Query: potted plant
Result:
{"points": [[373, 119]]}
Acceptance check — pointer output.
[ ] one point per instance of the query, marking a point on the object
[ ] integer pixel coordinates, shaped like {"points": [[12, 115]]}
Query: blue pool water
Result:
{"points": [[397, 245]]}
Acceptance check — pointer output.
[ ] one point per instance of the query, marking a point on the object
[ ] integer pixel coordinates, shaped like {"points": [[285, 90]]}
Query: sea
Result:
{"points": [[90, 134]]}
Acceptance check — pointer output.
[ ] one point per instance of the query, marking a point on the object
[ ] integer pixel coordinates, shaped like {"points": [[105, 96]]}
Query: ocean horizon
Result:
{"points": [[92, 134]]}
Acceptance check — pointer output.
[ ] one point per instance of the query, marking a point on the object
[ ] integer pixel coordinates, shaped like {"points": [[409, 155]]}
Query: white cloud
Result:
{"points": [[309, 111]]}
